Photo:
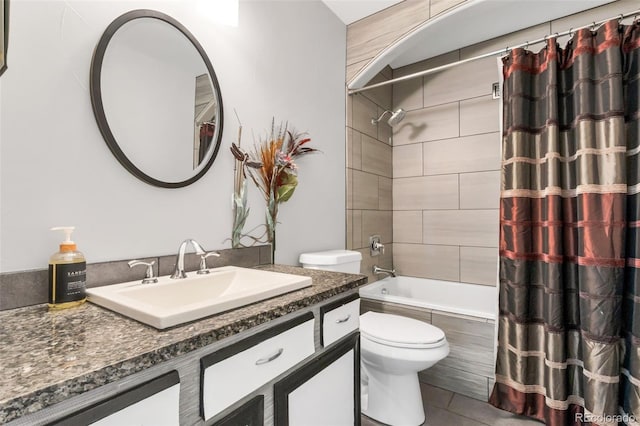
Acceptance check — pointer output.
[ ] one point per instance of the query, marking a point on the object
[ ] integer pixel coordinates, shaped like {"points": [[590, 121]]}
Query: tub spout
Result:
{"points": [[378, 270]]}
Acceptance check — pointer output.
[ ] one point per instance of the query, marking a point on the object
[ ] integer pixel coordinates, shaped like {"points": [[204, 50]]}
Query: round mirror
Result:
{"points": [[156, 99]]}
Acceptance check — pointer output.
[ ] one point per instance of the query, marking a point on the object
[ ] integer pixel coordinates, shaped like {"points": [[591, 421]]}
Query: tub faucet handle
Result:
{"points": [[149, 278], [375, 245], [203, 262], [378, 246]]}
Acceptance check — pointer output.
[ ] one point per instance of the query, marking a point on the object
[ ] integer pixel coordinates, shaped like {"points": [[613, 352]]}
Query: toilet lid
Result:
{"points": [[398, 331]]}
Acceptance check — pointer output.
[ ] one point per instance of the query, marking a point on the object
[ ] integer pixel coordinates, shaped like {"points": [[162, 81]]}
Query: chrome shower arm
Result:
{"points": [[396, 117], [376, 120]]}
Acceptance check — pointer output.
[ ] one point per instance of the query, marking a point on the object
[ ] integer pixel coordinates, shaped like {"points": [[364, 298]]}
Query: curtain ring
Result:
{"points": [[620, 18], [571, 32]]}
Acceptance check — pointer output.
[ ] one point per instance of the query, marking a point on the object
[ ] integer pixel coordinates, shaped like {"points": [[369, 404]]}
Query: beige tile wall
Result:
{"points": [[446, 159], [369, 176], [371, 164]]}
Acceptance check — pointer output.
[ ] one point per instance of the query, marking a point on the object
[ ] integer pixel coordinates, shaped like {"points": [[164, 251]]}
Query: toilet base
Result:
{"points": [[395, 400]]}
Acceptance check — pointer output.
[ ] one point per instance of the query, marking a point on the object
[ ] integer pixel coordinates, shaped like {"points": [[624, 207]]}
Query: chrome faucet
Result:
{"points": [[149, 277], [378, 270], [179, 271]]}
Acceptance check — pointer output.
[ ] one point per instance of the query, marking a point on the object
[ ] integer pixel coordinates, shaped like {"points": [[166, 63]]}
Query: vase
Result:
{"points": [[271, 221], [271, 238]]}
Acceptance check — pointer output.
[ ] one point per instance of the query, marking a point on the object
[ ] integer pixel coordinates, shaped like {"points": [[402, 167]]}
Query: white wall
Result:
{"points": [[285, 59]]}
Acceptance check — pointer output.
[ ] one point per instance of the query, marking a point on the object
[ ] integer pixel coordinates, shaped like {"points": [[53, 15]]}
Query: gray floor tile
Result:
{"points": [[434, 396], [445, 408], [441, 417], [485, 413]]}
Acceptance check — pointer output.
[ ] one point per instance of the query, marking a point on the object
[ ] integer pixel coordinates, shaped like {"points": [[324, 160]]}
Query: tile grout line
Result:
{"points": [[450, 400]]}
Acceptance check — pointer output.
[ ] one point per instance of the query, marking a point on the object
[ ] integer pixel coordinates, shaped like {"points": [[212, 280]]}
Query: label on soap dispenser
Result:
{"points": [[68, 282]]}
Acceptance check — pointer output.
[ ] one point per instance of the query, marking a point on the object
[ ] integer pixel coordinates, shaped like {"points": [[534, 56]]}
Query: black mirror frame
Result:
{"points": [[5, 31], [98, 108]]}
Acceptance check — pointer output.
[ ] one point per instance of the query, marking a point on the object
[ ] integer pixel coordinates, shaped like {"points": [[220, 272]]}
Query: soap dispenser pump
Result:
{"points": [[67, 274]]}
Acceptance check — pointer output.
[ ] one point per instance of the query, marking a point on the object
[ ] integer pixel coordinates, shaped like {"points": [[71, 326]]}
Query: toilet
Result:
{"points": [[393, 349]]}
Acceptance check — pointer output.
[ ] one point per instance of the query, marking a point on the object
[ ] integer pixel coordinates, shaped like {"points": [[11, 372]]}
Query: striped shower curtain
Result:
{"points": [[569, 320]]}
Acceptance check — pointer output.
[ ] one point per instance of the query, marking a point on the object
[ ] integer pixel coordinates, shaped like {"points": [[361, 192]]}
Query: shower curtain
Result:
{"points": [[569, 321], [207, 130]]}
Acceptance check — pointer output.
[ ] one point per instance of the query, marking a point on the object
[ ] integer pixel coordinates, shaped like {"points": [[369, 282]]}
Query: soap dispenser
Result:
{"points": [[67, 274]]}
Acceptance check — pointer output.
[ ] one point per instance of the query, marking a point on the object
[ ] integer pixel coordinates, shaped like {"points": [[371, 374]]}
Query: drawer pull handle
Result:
{"points": [[270, 357], [343, 319]]}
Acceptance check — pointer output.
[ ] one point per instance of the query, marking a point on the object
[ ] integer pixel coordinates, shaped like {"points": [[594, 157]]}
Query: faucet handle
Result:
{"points": [[149, 278], [375, 245], [203, 262]]}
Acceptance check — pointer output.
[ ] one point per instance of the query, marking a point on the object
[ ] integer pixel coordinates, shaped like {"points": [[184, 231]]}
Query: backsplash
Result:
{"points": [[18, 289]]}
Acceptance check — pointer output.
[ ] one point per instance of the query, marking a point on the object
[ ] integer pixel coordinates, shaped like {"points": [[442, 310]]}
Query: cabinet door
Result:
{"points": [[153, 403], [324, 391], [248, 414]]}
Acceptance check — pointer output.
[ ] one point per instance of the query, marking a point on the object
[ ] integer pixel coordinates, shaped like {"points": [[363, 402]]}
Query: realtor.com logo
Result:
{"points": [[610, 418]]}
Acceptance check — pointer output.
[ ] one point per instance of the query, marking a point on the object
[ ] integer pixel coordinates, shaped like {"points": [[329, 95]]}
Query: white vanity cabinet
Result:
{"points": [[301, 369], [153, 403], [321, 387]]}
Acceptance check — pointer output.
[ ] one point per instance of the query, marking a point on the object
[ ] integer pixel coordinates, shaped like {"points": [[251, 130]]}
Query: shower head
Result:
{"points": [[396, 117]]}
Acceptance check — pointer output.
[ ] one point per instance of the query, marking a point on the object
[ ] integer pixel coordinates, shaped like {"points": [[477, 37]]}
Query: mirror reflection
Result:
{"points": [[160, 106]]}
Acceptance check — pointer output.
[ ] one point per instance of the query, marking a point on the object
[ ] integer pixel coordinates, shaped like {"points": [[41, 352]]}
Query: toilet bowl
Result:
{"points": [[393, 349]]}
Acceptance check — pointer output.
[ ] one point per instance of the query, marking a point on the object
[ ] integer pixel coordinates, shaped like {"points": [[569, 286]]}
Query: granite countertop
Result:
{"points": [[47, 357]]}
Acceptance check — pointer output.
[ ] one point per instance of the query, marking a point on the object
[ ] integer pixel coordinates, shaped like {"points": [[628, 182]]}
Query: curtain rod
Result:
{"points": [[593, 26]]}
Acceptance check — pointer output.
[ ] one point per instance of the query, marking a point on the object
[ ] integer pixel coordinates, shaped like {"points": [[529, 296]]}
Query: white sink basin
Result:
{"points": [[171, 302]]}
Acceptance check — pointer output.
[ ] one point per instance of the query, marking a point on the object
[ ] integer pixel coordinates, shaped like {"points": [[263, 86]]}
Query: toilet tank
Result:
{"points": [[333, 260]]}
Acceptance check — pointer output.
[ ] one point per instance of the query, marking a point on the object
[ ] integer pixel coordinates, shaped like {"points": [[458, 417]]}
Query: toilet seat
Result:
{"points": [[400, 332]]}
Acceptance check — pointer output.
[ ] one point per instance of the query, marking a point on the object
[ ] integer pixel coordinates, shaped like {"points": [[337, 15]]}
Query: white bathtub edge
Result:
{"points": [[372, 292]]}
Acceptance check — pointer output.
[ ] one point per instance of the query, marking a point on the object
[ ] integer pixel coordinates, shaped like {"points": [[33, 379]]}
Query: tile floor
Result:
{"points": [[445, 408]]}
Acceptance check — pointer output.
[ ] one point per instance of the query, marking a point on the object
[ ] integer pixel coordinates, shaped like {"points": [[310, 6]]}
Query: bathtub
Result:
{"points": [[465, 312], [445, 296]]}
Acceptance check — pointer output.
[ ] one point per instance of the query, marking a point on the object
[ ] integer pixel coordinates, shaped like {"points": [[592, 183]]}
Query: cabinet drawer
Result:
{"points": [[156, 402], [340, 318], [237, 370]]}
